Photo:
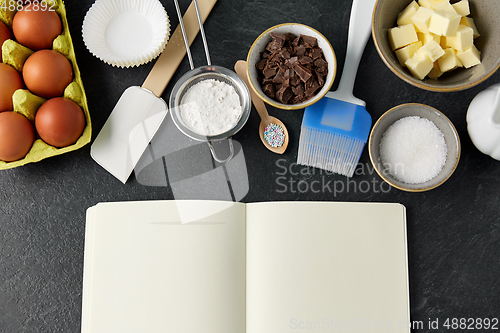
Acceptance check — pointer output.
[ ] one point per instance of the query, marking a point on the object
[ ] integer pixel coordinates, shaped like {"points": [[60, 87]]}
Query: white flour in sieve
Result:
{"points": [[211, 107]]}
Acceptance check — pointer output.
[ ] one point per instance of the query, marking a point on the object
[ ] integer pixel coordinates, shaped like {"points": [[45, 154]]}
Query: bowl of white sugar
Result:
{"points": [[210, 103], [414, 147]]}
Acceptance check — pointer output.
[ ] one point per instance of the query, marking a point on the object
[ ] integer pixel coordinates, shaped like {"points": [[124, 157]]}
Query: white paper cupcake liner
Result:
{"points": [[126, 33]]}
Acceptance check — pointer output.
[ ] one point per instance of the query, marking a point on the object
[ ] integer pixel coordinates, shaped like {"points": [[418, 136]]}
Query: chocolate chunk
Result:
{"points": [[278, 37], [321, 65], [309, 41], [298, 90], [269, 72], [273, 47], [279, 77], [286, 83], [298, 99], [305, 60], [268, 89], [285, 54], [261, 64], [266, 81], [290, 37], [284, 94], [291, 62], [321, 79], [274, 60], [300, 50], [302, 72], [316, 53], [311, 86], [277, 43], [286, 76], [295, 80], [282, 67]]}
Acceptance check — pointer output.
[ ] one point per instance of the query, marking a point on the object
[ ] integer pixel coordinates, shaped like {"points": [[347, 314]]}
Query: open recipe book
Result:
{"points": [[225, 267]]}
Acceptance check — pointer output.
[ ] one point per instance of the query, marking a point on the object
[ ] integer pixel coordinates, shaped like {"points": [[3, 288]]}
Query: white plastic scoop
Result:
{"points": [[483, 121]]}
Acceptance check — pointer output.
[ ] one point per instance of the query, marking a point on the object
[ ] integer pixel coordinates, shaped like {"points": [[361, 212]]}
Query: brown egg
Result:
{"points": [[16, 136], [60, 122], [36, 26], [10, 81], [47, 73], [4, 35]]}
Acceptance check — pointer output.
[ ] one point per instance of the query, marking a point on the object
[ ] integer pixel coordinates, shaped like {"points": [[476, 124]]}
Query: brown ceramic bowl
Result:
{"points": [[423, 111], [485, 14]]}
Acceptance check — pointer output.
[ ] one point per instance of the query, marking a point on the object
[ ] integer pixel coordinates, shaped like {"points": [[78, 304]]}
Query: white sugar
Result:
{"points": [[413, 150], [211, 107]]}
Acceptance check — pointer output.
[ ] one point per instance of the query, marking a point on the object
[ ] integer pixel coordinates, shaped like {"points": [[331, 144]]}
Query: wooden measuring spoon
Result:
{"points": [[265, 119]]}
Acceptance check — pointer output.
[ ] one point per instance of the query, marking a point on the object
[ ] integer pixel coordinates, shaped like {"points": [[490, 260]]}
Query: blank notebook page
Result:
{"points": [[145, 271], [326, 267]]}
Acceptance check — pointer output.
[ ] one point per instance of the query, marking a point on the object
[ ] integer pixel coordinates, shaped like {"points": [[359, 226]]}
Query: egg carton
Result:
{"points": [[26, 103]]}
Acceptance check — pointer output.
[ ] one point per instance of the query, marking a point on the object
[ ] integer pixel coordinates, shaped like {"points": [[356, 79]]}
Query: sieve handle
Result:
{"points": [[231, 151], [200, 23], [181, 23], [202, 30], [174, 52]]}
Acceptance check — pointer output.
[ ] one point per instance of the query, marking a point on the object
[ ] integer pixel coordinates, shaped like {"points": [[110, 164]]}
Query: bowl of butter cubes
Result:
{"points": [[438, 45]]}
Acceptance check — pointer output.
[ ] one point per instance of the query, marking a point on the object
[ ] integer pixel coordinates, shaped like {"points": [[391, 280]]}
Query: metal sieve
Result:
{"points": [[199, 74]]}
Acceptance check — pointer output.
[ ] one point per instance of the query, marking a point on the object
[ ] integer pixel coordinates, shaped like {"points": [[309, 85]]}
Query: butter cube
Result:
{"points": [[435, 71], [459, 63], [449, 60], [429, 3], [425, 3], [442, 42], [405, 16], [421, 19], [407, 52], [469, 22], [446, 7], [444, 23], [470, 57], [433, 50], [420, 65], [426, 38], [462, 7], [463, 39], [402, 36]]}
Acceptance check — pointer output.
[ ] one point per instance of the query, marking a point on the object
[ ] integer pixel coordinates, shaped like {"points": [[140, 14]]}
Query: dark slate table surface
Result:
{"points": [[453, 231]]}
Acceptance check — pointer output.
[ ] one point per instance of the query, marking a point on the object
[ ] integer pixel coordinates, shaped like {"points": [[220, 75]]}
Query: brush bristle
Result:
{"points": [[329, 151]]}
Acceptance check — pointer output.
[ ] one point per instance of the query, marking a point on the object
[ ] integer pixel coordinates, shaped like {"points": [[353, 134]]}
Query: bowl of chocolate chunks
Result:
{"points": [[438, 45], [291, 66]]}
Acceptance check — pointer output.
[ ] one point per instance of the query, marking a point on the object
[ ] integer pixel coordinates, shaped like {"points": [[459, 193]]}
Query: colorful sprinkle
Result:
{"points": [[274, 135]]}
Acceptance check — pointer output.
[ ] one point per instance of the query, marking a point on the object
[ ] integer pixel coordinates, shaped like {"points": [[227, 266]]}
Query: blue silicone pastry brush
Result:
{"points": [[334, 130]]}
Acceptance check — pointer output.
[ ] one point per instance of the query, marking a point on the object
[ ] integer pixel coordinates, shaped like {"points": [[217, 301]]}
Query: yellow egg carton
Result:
{"points": [[26, 103]]}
